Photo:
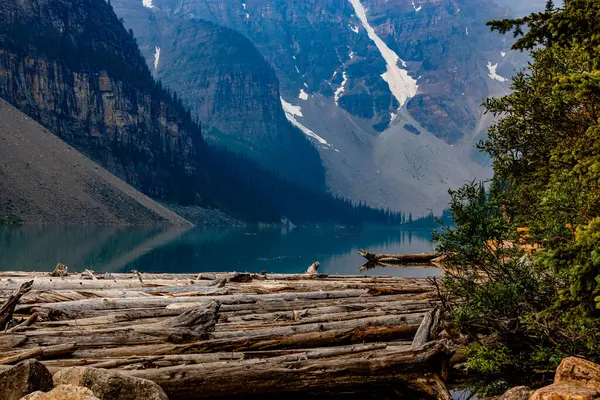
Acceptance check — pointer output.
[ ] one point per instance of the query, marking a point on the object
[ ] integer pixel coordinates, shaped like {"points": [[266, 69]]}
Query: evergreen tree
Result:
{"points": [[545, 149]]}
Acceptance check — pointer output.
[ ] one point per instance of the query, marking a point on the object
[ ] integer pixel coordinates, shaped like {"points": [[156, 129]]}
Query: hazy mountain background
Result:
{"points": [[388, 92]]}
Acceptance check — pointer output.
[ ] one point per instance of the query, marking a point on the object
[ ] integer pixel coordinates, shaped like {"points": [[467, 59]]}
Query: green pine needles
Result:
{"points": [[524, 257]]}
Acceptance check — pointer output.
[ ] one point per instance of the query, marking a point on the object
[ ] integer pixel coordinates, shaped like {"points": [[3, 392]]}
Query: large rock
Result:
{"points": [[565, 391], [24, 378], [579, 371], [517, 393], [109, 385], [63, 392]]}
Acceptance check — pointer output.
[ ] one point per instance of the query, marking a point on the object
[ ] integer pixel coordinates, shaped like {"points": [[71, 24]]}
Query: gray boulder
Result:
{"points": [[26, 377]]}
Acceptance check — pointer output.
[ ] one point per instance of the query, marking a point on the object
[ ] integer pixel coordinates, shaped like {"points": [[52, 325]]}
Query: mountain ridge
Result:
{"points": [[82, 76]]}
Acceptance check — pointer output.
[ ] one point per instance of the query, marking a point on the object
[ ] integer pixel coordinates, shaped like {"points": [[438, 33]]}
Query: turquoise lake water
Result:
{"points": [[120, 249]]}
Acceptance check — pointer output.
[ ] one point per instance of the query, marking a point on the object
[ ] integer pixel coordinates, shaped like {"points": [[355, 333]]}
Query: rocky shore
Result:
{"points": [[575, 379]]}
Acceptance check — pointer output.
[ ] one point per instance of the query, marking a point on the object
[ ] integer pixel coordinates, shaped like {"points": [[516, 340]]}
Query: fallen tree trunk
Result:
{"points": [[261, 343], [243, 378], [8, 308], [398, 258], [39, 352]]}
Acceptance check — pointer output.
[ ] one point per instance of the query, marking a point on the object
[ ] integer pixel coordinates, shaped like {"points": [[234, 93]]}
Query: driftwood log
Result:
{"points": [[8, 308], [226, 334], [375, 260]]}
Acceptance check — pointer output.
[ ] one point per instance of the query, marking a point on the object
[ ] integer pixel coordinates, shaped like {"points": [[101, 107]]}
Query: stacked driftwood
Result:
{"points": [[229, 334]]}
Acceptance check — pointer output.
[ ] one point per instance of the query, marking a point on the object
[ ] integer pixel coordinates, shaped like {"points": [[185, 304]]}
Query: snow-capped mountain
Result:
{"points": [[388, 91]]}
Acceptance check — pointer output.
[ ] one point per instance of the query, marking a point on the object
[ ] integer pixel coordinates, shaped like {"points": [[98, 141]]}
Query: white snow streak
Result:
{"points": [[244, 6], [401, 84], [493, 74], [147, 3], [417, 9], [291, 112], [156, 56], [247, 16], [503, 53], [297, 70], [467, 30], [353, 28], [340, 90], [303, 95]]}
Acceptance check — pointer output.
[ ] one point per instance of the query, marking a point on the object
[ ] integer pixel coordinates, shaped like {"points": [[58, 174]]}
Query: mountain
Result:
{"points": [[81, 75], [43, 180], [388, 91], [227, 84]]}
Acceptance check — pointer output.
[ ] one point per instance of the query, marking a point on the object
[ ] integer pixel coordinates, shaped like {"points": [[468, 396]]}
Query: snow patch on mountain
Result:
{"points": [[303, 95], [401, 84], [147, 3], [156, 56], [503, 53], [493, 74], [340, 90], [353, 28], [417, 9], [291, 112]]}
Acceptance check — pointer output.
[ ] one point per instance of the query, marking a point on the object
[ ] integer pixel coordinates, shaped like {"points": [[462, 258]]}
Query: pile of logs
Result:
{"points": [[225, 334]]}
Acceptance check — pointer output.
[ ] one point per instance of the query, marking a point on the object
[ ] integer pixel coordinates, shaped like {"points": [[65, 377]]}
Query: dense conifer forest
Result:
{"points": [[524, 256]]}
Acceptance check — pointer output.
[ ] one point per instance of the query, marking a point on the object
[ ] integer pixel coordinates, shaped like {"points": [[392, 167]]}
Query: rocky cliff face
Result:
{"points": [[80, 74], [227, 84], [389, 91]]}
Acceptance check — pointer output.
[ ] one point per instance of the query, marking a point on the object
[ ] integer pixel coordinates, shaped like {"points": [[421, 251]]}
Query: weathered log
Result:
{"points": [[39, 352], [399, 258], [60, 270], [388, 320], [68, 307], [313, 268], [435, 325], [25, 324], [261, 343], [246, 377], [194, 324], [8, 308], [422, 335]]}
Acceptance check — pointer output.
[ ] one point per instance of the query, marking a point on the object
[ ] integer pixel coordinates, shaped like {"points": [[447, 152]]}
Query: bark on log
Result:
{"points": [[194, 324], [398, 258], [73, 308], [422, 335], [8, 308], [39, 352], [250, 378], [262, 343]]}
